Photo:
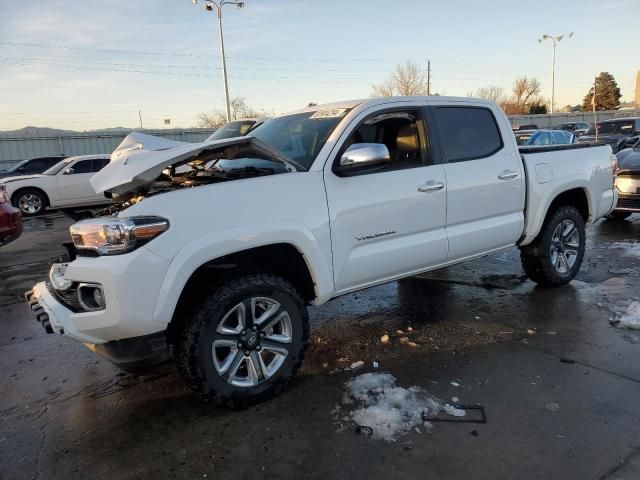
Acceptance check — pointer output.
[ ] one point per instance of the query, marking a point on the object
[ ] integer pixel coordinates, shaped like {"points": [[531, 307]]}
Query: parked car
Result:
{"points": [[325, 201], [544, 137], [66, 184], [577, 128], [525, 127], [627, 183], [32, 166], [236, 128], [620, 133], [10, 220]]}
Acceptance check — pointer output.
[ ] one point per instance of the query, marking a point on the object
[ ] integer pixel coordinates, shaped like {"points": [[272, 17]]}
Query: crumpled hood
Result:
{"points": [[140, 159], [629, 159]]}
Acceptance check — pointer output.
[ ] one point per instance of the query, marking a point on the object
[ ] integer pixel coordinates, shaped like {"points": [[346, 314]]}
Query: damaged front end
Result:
{"points": [[144, 165]]}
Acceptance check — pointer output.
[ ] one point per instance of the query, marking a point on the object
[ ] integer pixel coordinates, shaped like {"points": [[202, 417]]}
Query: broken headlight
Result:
{"points": [[115, 236]]}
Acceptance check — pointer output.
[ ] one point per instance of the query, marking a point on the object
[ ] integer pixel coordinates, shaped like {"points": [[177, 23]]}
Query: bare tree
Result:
{"points": [[525, 91], [525, 98], [491, 92], [407, 79], [211, 119], [217, 118]]}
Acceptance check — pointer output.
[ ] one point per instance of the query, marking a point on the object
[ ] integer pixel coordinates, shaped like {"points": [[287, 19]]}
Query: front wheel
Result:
{"points": [[31, 202], [244, 341], [555, 256]]}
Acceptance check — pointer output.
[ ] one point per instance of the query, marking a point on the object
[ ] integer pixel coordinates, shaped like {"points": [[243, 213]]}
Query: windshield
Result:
{"points": [[567, 126], [237, 128], [58, 167], [17, 166], [612, 128], [300, 136]]}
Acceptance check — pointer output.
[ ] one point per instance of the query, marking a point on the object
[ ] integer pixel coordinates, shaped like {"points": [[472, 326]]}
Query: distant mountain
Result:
{"points": [[46, 131], [35, 131]]}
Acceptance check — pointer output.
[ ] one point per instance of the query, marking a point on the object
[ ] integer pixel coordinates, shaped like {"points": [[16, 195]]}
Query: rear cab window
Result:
{"points": [[467, 133]]}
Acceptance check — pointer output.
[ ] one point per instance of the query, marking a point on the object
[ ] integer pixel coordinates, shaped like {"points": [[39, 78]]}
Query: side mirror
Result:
{"points": [[363, 156], [68, 171]]}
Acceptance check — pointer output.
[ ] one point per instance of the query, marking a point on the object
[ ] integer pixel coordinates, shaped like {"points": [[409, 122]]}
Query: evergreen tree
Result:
{"points": [[607, 94]]}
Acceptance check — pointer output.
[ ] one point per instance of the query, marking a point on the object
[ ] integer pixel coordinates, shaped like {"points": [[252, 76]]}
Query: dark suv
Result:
{"points": [[620, 133], [32, 166]]}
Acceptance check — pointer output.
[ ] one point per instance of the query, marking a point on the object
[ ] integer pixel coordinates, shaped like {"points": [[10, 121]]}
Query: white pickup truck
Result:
{"points": [[217, 262]]}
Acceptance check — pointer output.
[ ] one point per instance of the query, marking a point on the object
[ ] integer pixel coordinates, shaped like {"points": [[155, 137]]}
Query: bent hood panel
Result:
{"points": [[141, 158], [629, 160]]}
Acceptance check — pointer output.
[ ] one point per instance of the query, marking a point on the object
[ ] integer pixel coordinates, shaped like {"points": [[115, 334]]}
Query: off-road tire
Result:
{"points": [[619, 215], [536, 257], [193, 345]]}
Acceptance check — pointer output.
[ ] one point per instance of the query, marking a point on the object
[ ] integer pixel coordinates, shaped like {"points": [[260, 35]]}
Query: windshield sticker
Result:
{"points": [[330, 113]]}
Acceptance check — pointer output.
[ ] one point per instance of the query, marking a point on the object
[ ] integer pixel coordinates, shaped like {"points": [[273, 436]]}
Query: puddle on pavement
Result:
{"points": [[38, 224]]}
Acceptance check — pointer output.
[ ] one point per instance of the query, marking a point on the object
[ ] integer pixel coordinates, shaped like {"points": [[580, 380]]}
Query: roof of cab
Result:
{"points": [[370, 102]]}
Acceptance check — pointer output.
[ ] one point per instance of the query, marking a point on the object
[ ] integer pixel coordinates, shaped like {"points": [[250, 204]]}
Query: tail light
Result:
{"points": [[4, 197]]}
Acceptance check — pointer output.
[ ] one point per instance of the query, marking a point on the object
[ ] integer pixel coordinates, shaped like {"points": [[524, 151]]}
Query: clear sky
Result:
{"points": [[93, 64]]}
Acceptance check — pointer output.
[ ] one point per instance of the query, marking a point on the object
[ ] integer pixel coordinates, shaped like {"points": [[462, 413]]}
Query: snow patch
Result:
{"points": [[630, 318], [391, 411], [453, 411], [631, 249]]}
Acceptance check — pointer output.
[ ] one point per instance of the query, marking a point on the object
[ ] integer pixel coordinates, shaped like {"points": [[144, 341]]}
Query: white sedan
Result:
{"points": [[66, 184]]}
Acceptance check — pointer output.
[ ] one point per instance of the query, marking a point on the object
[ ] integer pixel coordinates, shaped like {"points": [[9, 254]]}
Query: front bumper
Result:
{"points": [[131, 285]]}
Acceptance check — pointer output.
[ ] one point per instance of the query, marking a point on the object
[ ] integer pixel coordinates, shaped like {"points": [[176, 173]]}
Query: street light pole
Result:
{"points": [[211, 5], [554, 39]]}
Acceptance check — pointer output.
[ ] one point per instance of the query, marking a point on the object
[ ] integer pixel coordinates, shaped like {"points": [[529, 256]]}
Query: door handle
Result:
{"points": [[431, 186], [508, 175]]}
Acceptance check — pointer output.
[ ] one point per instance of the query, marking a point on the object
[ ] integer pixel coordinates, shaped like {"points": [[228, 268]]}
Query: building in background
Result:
{"points": [[637, 100]]}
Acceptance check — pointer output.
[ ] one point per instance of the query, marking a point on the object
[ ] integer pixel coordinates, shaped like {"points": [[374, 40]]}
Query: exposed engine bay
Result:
{"points": [[209, 165]]}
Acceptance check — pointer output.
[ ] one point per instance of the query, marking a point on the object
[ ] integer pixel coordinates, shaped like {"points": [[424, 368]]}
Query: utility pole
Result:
{"points": [[555, 39], [593, 103], [140, 117], [428, 77], [211, 5]]}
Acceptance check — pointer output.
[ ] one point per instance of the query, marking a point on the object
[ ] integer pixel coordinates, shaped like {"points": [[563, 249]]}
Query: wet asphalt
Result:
{"points": [[560, 385]]}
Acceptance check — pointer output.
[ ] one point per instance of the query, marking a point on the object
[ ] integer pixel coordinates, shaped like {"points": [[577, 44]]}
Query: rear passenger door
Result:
{"points": [[485, 179]]}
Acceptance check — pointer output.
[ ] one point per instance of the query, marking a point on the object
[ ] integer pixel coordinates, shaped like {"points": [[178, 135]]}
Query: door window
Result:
{"points": [[83, 166], [468, 133], [34, 166], [99, 164], [401, 132]]}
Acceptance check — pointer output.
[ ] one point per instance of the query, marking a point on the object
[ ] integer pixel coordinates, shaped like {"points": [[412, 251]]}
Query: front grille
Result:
{"points": [[629, 201]]}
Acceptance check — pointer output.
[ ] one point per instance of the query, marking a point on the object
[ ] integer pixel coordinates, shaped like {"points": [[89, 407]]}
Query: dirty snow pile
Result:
{"points": [[388, 410], [631, 249], [630, 318]]}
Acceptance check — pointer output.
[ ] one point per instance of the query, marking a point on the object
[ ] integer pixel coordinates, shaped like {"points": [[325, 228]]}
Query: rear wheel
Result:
{"points": [[244, 341], [30, 201], [555, 256], [619, 215]]}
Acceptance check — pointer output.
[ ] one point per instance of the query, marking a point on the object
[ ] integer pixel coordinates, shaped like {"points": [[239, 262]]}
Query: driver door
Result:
{"points": [[384, 223], [73, 182]]}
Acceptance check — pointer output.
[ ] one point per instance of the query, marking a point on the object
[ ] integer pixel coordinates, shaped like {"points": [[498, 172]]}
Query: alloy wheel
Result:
{"points": [[565, 245], [30, 203], [252, 341]]}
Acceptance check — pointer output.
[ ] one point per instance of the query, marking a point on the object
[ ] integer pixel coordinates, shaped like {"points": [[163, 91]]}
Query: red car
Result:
{"points": [[10, 220]]}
